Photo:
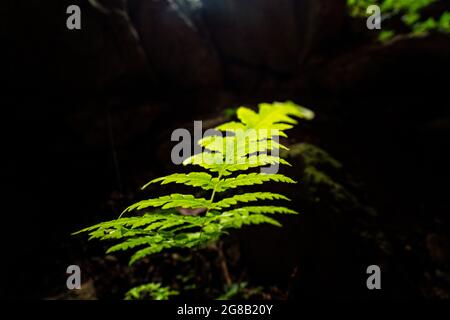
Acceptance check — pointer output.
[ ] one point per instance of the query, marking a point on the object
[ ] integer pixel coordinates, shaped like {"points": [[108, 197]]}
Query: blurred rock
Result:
{"points": [[438, 247], [326, 21], [175, 48], [273, 36], [127, 123], [259, 33], [105, 50], [86, 292]]}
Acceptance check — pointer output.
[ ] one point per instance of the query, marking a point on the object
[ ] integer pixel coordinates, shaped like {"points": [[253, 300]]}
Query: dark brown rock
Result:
{"points": [[259, 33], [175, 48], [106, 48]]}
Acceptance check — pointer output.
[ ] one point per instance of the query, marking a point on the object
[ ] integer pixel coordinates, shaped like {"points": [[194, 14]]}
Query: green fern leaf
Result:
{"points": [[109, 224], [172, 201], [241, 146], [250, 179], [132, 243], [247, 197], [140, 254], [195, 179], [237, 221], [260, 209], [258, 219], [270, 116], [226, 168]]}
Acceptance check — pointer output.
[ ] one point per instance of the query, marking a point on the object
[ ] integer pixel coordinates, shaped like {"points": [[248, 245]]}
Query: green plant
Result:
{"points": [[409, 11], [249, 144], [229, 113], [320, 177], [240, 290], [153, 291]]}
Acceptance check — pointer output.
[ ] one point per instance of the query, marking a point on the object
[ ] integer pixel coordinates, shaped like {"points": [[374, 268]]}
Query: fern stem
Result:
{"points": [[223, 265], [210, 203], [219, 247], [214, 192]]}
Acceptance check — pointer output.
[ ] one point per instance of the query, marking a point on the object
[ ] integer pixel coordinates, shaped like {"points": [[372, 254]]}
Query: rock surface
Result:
{"points": [[174, 45]]}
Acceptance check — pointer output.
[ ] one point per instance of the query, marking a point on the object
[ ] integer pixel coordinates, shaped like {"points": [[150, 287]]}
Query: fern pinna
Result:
{"points": [[249, 143]]}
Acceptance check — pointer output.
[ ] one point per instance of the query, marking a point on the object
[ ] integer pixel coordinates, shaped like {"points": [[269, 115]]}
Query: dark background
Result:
{"points": [[86, 118]]}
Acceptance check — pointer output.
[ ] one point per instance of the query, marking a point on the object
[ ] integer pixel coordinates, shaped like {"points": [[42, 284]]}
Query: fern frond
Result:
{"points": [[195, 179], [144, 225], [187, 240], [207, 160], [116, 234], [110, 224], [237, 221], [250, 179], [135, 242], [259, 209], [276, 116], [247, 197], [172, 201], [241, 146], [227, 166], [254, 161], [258, 219], [248, 144], [232, 126], [142, 253]]}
